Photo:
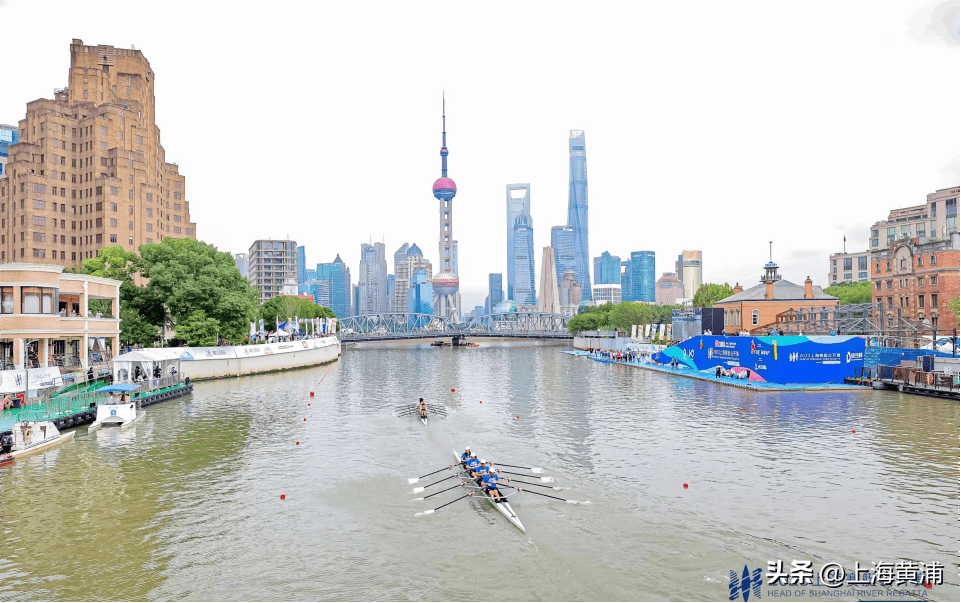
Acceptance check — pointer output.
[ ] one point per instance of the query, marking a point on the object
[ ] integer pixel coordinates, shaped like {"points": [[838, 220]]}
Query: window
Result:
{"points": [[113, 238], [103, 130], [847, 263], [920, 301], [114, 191], [39, 188], [113, 207], [113, 222], [934, 259], [149, 227], [120, 135], [754, 317], [887, 265], [889, 284], [140, 140], [863, 262], [934, 301], [129, 225], [149, 196], [920, 261], [176, 230], [149, 212], [40, 204], [934, 281], [6, 300], [877, 267], [39, 221], [176, 218], [920, 281], [130, 194], [39, 237], [85, 96], [38, 300], [103, 147], [177, 207], [130, 210]]}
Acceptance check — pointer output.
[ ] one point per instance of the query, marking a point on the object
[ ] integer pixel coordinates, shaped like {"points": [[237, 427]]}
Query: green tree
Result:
{"points": [[625, 314], [851, 293], [135, 329], [198, 329], [287, 307], [585, 321], [710, 293], [187, 276], [953, 306]]}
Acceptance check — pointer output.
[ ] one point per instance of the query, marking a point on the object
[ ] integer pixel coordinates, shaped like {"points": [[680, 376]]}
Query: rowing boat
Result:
{"points": [[504, 507]]}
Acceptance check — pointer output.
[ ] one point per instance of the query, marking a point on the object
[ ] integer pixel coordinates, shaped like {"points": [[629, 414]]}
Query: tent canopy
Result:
{"points": [[120, 387], [127, 367]]}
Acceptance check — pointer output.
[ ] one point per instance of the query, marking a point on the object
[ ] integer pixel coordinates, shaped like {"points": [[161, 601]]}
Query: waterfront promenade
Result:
{"points": [[709, 375]]}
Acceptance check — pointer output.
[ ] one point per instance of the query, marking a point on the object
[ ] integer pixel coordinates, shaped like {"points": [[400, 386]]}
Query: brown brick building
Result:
{"points": [[916, 281], [89, 170]]}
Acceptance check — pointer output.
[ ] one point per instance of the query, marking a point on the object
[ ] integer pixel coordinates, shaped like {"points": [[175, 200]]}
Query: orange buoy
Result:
{"points": [[481, 401], [685, 486], [283, 497], [298, 443], [305, 418], [452, 390], [311, 394], [742, 410], [308, 404], [853, 431], [518, 416]]}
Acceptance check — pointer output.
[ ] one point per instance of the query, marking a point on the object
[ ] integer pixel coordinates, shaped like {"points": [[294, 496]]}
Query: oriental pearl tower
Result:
{"points": [[446, 283]]}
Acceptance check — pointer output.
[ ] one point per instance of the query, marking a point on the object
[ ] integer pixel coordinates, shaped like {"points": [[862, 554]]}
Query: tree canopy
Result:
{"points": [[710, 293], [851, 293], [187, 281], [286, 307], [621, 316]]}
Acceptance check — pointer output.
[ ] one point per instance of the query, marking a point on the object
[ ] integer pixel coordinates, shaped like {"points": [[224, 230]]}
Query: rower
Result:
{"points": [[490, 485], [466, 456], [472, 466], [422, 408]]}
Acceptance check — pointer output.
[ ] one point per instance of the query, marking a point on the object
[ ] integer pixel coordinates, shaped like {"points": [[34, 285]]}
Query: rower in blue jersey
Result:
{"points": [[472, 465], [466, 456], [490, 485]]}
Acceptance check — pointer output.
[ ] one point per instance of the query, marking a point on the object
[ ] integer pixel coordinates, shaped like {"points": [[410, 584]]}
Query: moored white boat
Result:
{"points": [[117, 415], [28, 437], [504, 507]]}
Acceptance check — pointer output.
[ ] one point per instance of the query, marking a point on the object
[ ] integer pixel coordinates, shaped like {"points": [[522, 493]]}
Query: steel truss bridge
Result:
{"points": [[402, 325]]}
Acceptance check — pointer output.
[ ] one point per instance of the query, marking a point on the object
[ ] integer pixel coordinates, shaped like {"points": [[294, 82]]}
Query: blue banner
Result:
{"points": [[782, 359]]}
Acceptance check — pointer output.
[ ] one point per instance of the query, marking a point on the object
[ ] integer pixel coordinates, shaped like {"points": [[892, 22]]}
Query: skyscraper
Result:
{"points": [[549, 299], [240, 261], [372, 279], [391, 293], [607, 269], [93, 150], [446, 283], [518, 204], [523, 285], [562, 240], [569, 293], [577, 211], [336, 275], [626, 289], [9, 135], [691, 272], [642, 276], [401, 279], [301, 264], [272, 267], [495, 291]]}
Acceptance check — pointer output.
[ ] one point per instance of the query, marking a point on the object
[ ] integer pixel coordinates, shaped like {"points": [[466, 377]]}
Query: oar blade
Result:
{"points": [[419, 489], [427, 512], [413, 480], [536, 470], [547, 480]]}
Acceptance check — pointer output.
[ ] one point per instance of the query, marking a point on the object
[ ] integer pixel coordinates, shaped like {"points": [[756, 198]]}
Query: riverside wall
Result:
{"points": [[235, 361]]}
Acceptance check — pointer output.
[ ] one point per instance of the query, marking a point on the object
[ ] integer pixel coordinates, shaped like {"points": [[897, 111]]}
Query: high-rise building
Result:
{"points": [[626, 288], [240, 261], [669, 290], [301, 265], [607, 269], [272, 267], [642, 276], [495, 290], [691, 275], [9, 135], [372, 279], [337, 276], [391, 293], [607, 294], [562, 240], [446, 282], [404, 266], [420, 294], [932, 221], [89, 170], [549, 300], [518, 204], [569, 293], [577, 210], [523, 264], [849, 267], [355, 303]]}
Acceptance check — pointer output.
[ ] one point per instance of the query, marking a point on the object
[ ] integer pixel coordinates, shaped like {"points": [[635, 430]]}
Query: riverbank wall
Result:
{"points": [[236, 361]]}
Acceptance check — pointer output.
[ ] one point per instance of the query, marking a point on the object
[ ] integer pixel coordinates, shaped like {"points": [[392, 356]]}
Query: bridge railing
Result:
{"points": [[401, 325]]}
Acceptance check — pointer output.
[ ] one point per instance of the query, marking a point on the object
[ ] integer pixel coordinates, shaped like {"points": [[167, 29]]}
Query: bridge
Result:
{"points": [[403, 325]]}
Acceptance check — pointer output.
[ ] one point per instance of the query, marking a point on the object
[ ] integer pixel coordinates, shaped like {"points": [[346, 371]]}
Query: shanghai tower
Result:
{"points": [[577, 212]]}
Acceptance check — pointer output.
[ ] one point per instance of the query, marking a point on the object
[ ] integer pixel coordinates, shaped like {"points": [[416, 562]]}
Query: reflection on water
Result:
{"points": [[186, 503]]}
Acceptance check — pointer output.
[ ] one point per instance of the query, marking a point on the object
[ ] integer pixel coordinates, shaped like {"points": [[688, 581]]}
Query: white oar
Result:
{"points": [[546, 480], [421, 489], [444, 490], [570, 502], [431, 511], [531, 469], [414, 480]]}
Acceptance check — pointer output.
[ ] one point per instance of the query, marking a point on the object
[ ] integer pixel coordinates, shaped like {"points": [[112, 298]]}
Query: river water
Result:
{"points": [[186, 504]]}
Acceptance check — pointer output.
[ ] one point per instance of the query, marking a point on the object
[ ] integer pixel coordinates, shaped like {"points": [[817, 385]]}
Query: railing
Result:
{"points": [[916, 377]]}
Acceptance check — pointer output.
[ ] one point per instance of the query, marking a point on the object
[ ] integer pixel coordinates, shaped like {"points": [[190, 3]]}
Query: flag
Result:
{"points": [[261, 325]]}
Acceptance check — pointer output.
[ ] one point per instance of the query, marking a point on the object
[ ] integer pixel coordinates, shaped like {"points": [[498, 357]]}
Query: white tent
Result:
{"points": [[125, 365]]}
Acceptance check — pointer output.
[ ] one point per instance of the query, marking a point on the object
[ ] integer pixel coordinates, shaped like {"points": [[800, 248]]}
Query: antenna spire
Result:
{"points": [[443, 146]]}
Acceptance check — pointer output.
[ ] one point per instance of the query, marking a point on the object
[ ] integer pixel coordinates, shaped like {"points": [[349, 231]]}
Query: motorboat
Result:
{"points": [[29, 437]]}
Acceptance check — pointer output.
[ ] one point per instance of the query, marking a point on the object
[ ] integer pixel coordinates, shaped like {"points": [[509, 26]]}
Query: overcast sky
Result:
{"points": [[710, 125]]}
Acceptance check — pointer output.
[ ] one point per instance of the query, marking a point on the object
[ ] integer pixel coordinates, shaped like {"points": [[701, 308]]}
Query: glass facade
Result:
{"points": [[607, 269], [562, 240], [627, 292], [518, 204], [495, 290], [9, 135], [643, 279], [523, 264], [337, 276], [420, 296], [577, 210], [301, 265]]}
